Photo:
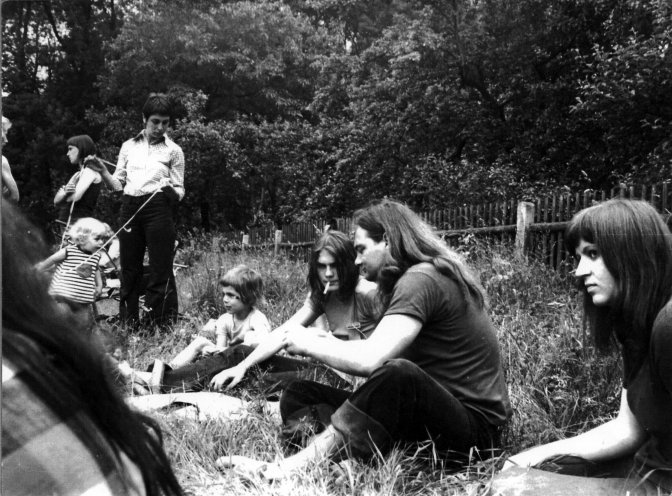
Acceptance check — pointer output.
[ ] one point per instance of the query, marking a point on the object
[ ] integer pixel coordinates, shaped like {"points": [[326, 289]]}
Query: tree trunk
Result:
{"points": [[205, 215]]}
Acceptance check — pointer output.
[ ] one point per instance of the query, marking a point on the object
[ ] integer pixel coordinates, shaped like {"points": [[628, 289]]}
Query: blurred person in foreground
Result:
{"points": [[65, 429]]}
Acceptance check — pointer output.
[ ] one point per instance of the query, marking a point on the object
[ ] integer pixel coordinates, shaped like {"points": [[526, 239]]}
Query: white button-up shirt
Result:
{"points": [[143, 168]]}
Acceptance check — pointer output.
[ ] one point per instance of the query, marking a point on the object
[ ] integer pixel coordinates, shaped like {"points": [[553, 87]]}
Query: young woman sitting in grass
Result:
{"points": [[624, 252], [351, 309]]}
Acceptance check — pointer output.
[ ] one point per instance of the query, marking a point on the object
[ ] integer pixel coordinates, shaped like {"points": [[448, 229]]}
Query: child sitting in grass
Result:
{"points": [[242, 289], [77, 281]]}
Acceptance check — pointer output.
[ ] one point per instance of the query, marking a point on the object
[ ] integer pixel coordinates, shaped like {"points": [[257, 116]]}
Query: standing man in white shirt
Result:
{"points": [[150, 171]]}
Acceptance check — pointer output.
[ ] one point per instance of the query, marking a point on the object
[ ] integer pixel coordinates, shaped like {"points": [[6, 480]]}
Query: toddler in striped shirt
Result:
{"points": [[77, 281]]}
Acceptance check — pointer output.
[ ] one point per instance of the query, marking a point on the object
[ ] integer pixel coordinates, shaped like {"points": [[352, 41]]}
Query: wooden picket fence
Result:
{"points": [[536, 228]]}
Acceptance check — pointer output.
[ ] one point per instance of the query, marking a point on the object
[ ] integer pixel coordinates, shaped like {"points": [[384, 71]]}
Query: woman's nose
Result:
{"points": [[582, 269]]}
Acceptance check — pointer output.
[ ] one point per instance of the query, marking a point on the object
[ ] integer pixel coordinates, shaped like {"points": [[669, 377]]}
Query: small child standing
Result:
{"points": [[242, 289], [77, 281]]}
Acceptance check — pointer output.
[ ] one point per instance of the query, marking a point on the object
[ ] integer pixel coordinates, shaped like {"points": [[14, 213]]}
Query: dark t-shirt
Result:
{"points": [[457, 344], [84, 207], [650, 399], [355, 318]]}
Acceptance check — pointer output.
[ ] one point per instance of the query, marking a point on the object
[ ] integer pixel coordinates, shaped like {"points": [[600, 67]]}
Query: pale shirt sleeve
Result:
{"points": [[177, 171], [259, 328], [120, 174]]}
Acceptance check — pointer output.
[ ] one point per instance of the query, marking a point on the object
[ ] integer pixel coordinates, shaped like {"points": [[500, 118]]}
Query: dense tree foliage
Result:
{"points": [[310, 108]]}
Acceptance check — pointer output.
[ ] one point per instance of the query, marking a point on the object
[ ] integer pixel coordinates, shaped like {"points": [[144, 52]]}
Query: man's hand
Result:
{"points": [[233, 376], [299, 340], [94, 163], [211, 349], [170, 192]]}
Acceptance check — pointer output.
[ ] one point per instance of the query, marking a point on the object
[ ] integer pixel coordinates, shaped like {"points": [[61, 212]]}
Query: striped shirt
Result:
{"points": [[143, 168], [47, 452], [75, 277]]}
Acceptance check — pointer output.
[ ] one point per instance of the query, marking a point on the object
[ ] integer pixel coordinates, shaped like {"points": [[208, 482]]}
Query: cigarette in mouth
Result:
{"points": [[326, 287]]}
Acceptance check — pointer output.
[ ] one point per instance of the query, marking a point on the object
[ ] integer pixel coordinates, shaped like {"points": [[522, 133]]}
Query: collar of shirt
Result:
{"points": [[143, 136]]}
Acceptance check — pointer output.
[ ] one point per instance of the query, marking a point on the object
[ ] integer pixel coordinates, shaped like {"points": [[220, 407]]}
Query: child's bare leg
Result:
{"points": [[191, 352], [128, 373]]}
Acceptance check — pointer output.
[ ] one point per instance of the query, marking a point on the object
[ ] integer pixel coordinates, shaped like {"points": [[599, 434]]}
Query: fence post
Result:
{"points": [[524, 217], [277, 241]]}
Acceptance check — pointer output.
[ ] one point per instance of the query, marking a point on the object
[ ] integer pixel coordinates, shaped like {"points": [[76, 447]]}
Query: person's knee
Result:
{"points": [[292, 390], [397, 369]]}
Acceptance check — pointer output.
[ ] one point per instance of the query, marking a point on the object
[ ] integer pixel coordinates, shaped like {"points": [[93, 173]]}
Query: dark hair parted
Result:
{"points": [[339, 246], [84, 144], [157, 104], [636, 247], [411, 241], [247, 282], [68, 369]]}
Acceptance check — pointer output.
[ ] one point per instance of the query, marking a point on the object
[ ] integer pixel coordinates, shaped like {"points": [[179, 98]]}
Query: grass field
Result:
{"points": [[558, 385]]}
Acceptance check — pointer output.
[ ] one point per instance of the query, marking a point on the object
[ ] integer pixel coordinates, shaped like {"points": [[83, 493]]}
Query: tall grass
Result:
{"points": [[557, 383]]}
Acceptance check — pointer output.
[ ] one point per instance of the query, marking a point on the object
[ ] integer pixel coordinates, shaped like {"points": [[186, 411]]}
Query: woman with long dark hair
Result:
{"points": [[65, 428], [624, 253]]}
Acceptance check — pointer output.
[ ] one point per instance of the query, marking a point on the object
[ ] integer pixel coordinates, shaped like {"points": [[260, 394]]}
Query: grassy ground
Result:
{"points": [[558, 385]]}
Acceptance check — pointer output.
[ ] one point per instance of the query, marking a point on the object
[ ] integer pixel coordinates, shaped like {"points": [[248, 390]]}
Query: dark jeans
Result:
{"points": [[399, 402], [152, 229], [266, 378]]}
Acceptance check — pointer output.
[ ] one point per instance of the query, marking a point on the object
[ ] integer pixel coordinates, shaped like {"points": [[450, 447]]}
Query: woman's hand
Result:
{"points": [[529, 458], [233, 376]]}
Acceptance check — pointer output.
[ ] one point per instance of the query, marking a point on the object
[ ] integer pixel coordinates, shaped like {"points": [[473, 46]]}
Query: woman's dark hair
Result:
{"points": [[67, 369], [339, 246], [159, 104], [247, 282], [84, 144], [636, 247], [411, 241]]}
